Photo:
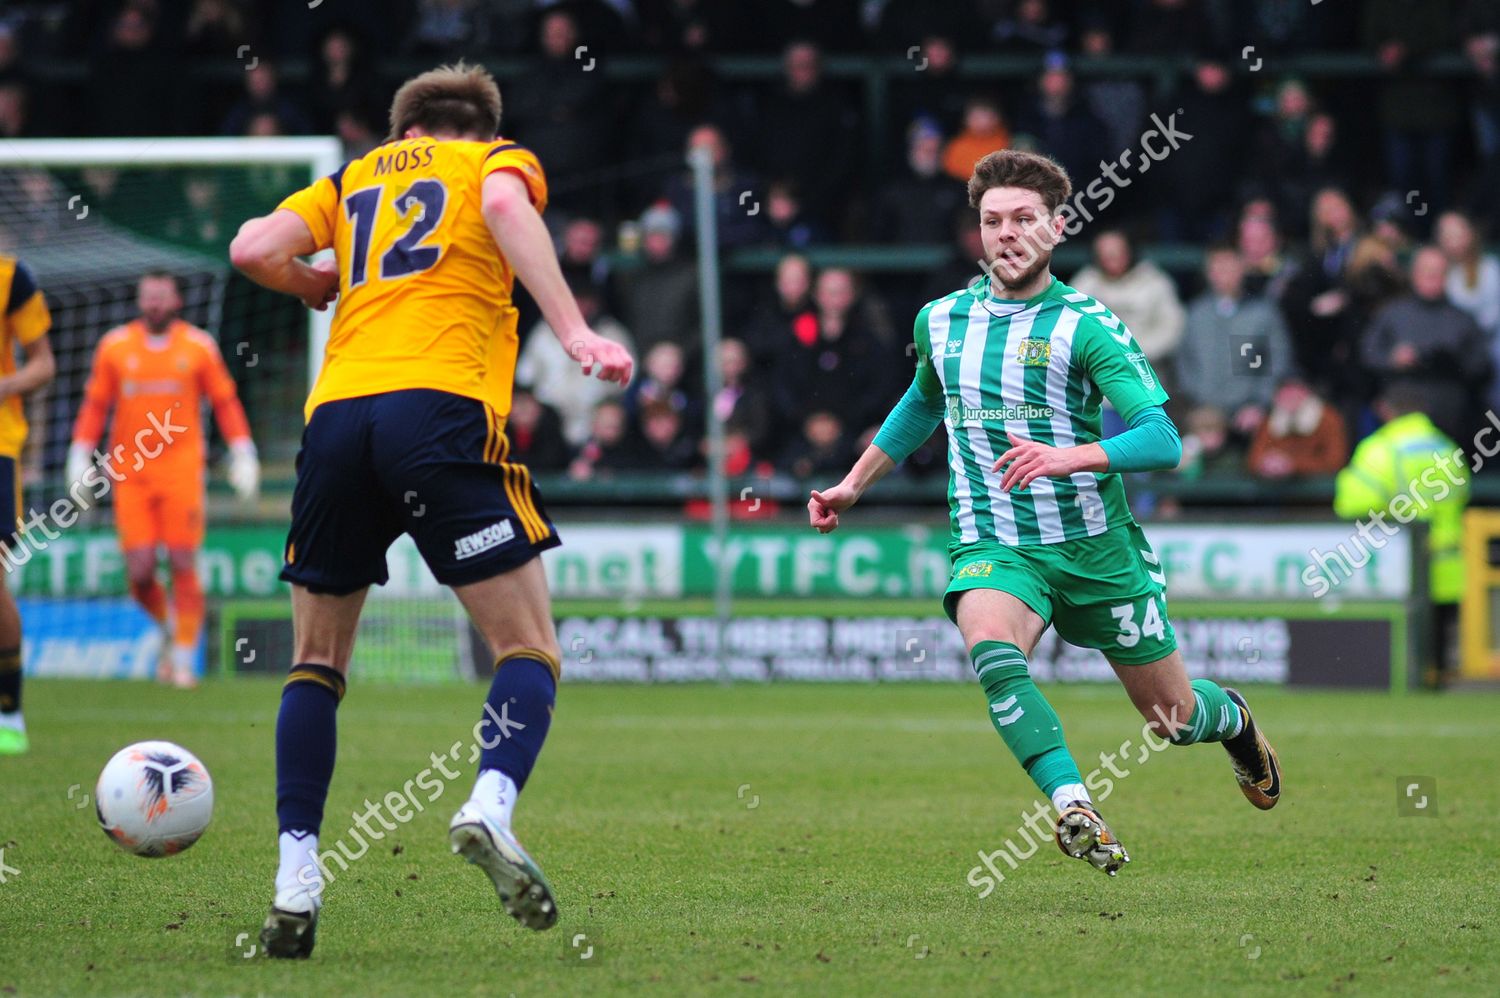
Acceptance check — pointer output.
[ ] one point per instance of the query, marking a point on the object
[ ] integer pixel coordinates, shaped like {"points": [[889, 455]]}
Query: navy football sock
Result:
{"points": [[306, 741], [518, 713]]}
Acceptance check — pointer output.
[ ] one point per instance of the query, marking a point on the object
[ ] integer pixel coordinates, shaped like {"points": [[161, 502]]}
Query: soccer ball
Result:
{"points": [[154, 798]]}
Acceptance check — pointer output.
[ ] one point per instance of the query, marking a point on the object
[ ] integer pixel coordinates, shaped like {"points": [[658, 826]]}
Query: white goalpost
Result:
{"points": [[88, 217]]}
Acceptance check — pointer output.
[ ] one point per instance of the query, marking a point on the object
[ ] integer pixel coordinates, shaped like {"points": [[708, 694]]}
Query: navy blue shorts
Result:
{"points": [[423, 462], [10, 499]]}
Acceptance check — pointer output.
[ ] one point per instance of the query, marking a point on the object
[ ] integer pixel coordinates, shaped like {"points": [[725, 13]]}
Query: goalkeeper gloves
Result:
{"points": [[244, 470], [80, 460]]}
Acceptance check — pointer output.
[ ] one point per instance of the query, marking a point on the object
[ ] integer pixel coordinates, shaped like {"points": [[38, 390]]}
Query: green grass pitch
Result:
{"points": [[795, 839]]}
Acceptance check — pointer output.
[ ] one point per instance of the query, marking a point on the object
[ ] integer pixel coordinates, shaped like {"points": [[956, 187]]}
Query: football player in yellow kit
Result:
{"points": [[406, 433], [24, 321]]}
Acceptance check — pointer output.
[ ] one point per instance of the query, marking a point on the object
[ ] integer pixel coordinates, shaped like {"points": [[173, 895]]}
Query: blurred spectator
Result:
{"points": [[933, 90], [1281, 139], [1259, 245], [341, 83], [263, 99], [806, 133], [607, 447], [449, 28], [1028, 27], [131, 85], [1482, 46], [356, 133], [1296, 154], [659, 299], [916, 207], [1417, 111], [664, 443], [1390, 221], [1062, 125], [964, 266], [1206, 447], [1137, 291], [788, 224], [554, 376], [582, 258], [1473, 285], [1302, 435], [1192, 188], [849, 367], [214, 28], [983, 132], [535, 434], [1236, 349], [734, 189], [1118, 101], [741, 402], [1315, 298], [556, 109], [13, 108], [1423, 341], [820, 449], [10, 54], [662, 382], [784, 316], [684, 96], [1473, 275]]}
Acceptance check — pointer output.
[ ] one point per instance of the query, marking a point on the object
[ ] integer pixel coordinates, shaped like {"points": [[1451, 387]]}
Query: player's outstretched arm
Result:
{"points": [[521, 235], [266, 250], [908, 426], [824, 507]]}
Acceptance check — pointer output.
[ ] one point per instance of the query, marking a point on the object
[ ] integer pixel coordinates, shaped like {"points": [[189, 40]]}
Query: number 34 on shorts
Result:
{"points": [[1152, 622]]}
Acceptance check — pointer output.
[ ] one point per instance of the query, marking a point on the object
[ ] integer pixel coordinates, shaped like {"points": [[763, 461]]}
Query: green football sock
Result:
{"points": [[1216, 718], [1026, 721]]}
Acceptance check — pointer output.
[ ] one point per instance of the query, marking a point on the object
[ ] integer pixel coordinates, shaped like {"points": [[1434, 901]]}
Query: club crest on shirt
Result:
{"points": [[1142, 368], [1034, 352]]}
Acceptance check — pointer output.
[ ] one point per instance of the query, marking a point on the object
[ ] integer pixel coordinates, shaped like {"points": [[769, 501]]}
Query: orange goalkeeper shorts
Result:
{"points": [[150, 515]]}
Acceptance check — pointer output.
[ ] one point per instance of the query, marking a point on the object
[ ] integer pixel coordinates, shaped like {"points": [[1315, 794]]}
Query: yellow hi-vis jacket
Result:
{"points": [[1408, 470]]}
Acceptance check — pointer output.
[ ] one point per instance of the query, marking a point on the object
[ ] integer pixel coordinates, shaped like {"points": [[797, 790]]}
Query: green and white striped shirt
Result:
{"points": [[1038, 369]]}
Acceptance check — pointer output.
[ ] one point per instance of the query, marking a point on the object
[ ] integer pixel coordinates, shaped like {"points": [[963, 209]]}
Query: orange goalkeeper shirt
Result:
{"points": [[424, 293], [25, 320], [157, 386]]}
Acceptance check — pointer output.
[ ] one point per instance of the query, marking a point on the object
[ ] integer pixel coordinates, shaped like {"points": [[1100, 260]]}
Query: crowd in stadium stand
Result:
{"points": [[1343, 219]]}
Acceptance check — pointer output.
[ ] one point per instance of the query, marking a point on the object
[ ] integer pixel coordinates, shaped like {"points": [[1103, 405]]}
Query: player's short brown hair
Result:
{"points": [[1029, 170], [461, 98]]}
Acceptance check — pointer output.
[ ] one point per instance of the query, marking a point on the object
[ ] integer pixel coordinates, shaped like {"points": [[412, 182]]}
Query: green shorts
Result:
{"points": [[1106, 592]]}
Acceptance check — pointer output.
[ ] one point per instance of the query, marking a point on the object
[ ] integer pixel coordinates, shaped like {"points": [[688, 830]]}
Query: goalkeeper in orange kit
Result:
{"points": [[155, 372]]}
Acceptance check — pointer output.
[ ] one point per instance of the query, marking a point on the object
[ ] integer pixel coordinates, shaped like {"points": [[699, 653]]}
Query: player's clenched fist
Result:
{"points": [[824, 507], [327, 289], [604, 359]]}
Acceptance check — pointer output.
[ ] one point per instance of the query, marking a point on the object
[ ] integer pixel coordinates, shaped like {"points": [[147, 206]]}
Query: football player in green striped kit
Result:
{"points": [[1017, 366]]}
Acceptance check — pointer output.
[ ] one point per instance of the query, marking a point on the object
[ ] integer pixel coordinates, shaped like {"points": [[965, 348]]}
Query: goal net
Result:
{"points": [[89, 217]]}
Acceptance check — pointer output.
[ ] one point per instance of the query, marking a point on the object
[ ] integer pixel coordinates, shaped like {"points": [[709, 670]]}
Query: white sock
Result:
{"points": [[297, 865], [1068, 793], [182, 659], [496, 793], [13, 721]]}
